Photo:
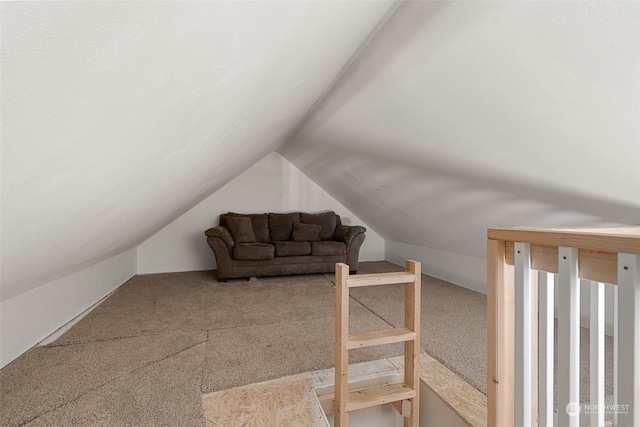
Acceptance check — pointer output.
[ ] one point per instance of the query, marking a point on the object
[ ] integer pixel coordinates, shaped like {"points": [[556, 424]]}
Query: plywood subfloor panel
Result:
{"points": [[285, 402]]}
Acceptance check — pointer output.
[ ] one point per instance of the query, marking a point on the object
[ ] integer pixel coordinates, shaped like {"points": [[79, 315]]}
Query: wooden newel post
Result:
{"points": [[500, 337]]}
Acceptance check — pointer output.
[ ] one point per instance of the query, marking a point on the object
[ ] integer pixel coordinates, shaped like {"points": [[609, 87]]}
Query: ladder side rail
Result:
{"points": [[412, 298], [341, 384]]}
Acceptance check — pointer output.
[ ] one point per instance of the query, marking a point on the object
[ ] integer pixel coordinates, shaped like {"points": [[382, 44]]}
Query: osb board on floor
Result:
{"points": [[284, 402]]}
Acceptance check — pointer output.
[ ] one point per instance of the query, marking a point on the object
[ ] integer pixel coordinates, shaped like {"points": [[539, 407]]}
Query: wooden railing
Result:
{"points": [[522, 266]]}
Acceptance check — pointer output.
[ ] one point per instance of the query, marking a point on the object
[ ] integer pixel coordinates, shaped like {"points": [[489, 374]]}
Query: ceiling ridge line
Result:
{"points": [[363, 45]]}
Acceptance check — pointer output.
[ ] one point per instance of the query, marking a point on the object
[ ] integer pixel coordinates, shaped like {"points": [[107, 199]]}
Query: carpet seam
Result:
{"points": [[333, 285], [204, 361], [110, 381], [261, 324], [372, 312], [100, 340]]}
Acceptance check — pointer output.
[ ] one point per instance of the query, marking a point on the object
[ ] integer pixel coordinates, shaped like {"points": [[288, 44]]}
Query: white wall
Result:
{"points": [[271, 185], [30, 317], [463, 270]]}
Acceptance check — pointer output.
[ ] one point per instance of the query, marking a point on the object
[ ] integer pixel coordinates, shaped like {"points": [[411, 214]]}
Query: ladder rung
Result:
{"points": [[378, 395], [380, 279], [327, 402], [389, 336]]}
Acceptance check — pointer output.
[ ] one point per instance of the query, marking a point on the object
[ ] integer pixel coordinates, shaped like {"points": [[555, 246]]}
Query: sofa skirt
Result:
{"points": [[280, 266]]}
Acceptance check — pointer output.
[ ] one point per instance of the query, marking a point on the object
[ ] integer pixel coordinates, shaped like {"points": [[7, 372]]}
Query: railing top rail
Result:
{"points": [[607, 239]]}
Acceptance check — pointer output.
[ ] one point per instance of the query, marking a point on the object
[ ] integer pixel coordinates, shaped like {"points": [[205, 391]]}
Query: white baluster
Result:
{"points": [[615, 352], [629, 345], [545, 345], [568, 338], [523, 334], [596, 359]]}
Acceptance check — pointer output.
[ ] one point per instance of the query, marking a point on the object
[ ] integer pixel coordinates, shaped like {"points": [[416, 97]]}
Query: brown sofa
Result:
{"points": [[274, 244]]}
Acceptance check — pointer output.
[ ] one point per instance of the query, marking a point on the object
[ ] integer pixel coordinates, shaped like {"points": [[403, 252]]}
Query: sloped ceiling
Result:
{"points": [[459, 116], [119, 116]]}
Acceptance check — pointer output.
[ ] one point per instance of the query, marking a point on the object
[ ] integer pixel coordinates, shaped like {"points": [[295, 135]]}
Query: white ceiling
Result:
{"points": [[459, 116], [117, 117]]}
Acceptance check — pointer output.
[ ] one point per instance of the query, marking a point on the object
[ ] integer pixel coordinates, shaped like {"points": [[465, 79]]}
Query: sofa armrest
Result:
{"points": [[222, 233], [221, 243], [346, 233], [353, 236]]}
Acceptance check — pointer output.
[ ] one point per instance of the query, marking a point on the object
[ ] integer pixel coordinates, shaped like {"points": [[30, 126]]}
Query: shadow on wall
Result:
{"points": [[442, 203]]}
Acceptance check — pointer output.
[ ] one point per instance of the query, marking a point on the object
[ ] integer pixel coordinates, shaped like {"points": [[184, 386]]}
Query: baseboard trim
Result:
{"points": [[64, 328]]}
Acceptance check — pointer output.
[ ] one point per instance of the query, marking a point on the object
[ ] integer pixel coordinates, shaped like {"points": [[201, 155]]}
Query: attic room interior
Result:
{"points": [[129, 128]]}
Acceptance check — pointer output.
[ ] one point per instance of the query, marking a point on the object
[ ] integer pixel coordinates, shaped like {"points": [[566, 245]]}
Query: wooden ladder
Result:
{"points": [[404, 395]]}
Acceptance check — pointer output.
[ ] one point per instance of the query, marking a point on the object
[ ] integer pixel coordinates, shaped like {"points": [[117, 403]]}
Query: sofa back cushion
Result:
{"points": [[281, 225], [259, 222], [241, 229], [327, 220], [306, 232]]}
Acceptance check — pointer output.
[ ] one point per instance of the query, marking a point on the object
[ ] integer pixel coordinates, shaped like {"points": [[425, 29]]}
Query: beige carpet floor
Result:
{"points": [[146, 355]]}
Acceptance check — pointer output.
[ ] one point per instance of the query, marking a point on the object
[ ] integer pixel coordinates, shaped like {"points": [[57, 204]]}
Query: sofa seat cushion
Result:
{"points": [[253, 251], [281, 225], [327, 220], [328, 248], [292, 248]]}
